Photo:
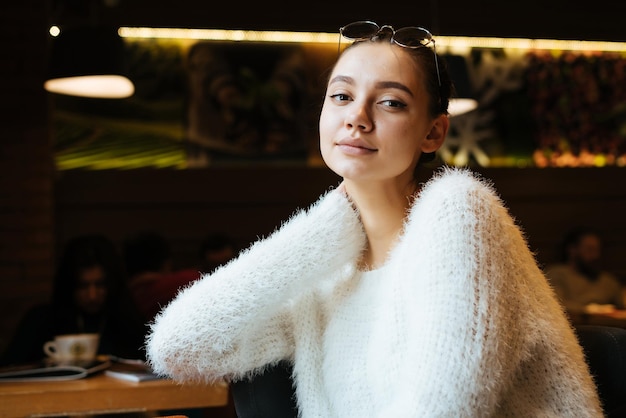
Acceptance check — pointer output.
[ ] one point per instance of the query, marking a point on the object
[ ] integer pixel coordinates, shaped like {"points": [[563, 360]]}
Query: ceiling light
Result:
{"points": [[463, 100], [88, 62]]}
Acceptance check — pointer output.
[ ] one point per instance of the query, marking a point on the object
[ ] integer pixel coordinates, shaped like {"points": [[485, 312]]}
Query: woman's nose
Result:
{"points": [[93, 292], [359, 118]]}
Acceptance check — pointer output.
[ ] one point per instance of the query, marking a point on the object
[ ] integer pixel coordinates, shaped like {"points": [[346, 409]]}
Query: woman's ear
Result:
{"points": [[437, 134]]}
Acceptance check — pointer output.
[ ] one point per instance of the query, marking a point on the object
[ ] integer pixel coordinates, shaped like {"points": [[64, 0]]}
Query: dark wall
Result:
{"points": [[185, 205], [251, 202], [561, 19], [26, 164]]}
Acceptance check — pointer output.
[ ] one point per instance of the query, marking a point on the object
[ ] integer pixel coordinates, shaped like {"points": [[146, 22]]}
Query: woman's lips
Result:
{"points": [[355, 146]]}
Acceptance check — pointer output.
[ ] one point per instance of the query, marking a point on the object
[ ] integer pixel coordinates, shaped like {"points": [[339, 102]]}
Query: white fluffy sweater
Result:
{"points": [[460, 322]]}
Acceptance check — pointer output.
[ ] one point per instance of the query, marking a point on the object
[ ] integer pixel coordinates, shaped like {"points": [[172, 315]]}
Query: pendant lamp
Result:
{"points": [[88, 62], [463, 101]]}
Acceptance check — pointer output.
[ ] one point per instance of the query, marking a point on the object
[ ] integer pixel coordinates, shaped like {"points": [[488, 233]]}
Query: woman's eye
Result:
{"points": [[393, 103], [340, 97]]}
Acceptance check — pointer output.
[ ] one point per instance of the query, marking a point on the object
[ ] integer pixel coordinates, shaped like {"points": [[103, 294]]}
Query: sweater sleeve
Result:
{"points": [[236, 319], [471, 288]]}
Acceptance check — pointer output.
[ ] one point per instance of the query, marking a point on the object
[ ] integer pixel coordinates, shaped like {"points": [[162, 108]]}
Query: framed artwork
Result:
{"points": [[205, 103]]}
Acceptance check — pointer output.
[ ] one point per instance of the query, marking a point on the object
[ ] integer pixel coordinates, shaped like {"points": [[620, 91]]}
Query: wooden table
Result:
{"points": [[103, 394], [613, 319]]}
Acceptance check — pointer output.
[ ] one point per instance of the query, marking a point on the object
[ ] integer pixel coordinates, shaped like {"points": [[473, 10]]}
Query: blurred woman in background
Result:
{"points": [[89, 296]]}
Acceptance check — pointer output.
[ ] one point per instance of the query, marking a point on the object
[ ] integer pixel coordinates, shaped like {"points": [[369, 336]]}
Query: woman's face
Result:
{"points": [[374, 123], [91, 290]]}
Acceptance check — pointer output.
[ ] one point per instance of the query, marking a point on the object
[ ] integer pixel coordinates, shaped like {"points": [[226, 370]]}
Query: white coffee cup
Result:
{"points": [[72, 347]]}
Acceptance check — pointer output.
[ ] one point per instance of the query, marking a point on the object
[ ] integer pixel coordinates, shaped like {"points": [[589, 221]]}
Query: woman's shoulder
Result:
{"points": [[455, 199], [458, 177], [452, 184]]}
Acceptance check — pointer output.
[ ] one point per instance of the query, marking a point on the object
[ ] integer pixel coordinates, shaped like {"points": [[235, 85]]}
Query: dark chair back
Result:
{"points": [[267, 395], [605, 350]]}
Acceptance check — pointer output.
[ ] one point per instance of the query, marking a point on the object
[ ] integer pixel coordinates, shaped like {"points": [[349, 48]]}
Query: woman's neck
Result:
{"points": [[383, 212]]}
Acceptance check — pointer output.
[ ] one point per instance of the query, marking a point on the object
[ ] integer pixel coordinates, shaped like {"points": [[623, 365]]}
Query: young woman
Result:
{"points": [[391, 298]]}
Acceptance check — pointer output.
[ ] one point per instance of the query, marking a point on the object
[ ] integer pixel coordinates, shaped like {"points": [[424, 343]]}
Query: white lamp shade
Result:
{"points": [[89, 62], [459, 106], [97, 86], [463, 101]]}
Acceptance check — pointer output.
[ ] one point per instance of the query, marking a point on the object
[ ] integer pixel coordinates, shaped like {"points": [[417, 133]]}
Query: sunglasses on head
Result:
{"points": [[410, 37]]}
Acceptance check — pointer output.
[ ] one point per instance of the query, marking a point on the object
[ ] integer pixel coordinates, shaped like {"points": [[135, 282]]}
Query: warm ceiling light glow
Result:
{"points": [[459, 106], [101, 86], [229, 35], [459, 42], [529, 44], [54, 31]]}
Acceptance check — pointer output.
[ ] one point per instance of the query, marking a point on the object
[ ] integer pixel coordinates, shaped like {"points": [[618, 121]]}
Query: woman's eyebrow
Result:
{"points": [[394, 85], [342, 78], [379, 85]]}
